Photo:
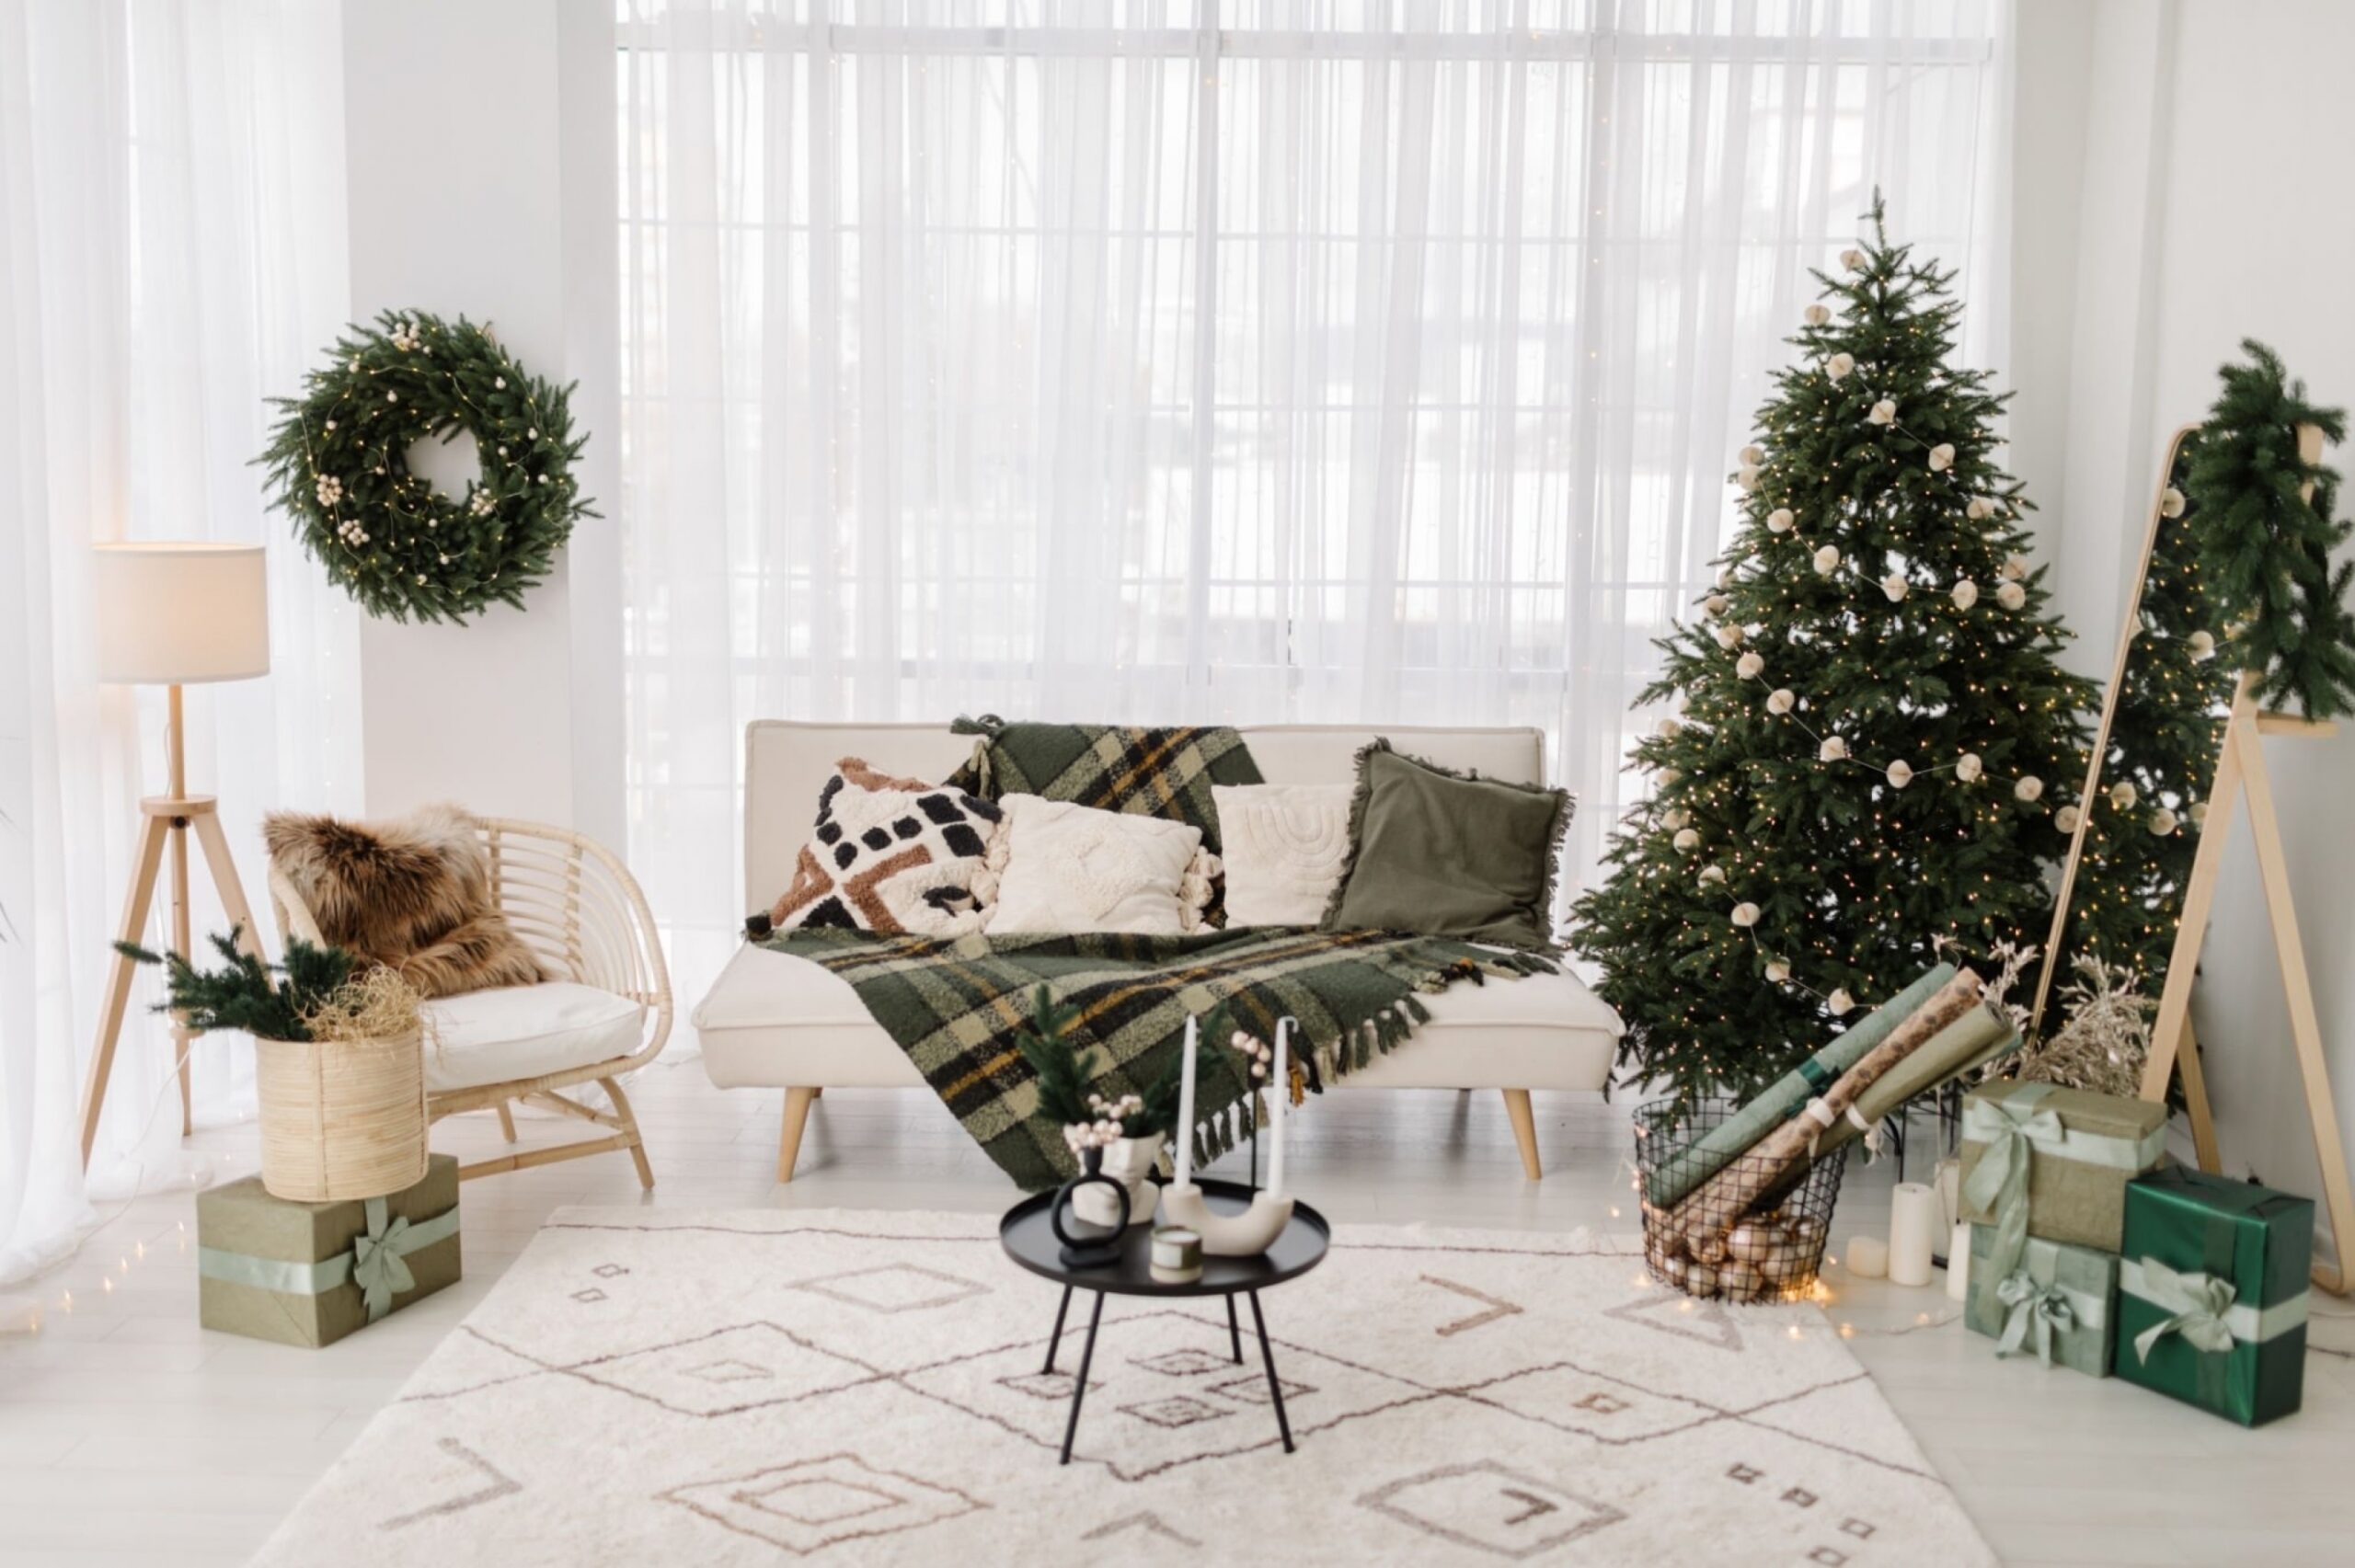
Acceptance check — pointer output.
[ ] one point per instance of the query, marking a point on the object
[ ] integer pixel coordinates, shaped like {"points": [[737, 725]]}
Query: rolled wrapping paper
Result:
{"points": [[1912, 1232], [1978, 1036], [1702, 1219], [1671, 1180]]}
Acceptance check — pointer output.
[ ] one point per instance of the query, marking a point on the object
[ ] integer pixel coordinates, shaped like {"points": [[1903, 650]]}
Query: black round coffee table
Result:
{"points": [[1031, 1240]]}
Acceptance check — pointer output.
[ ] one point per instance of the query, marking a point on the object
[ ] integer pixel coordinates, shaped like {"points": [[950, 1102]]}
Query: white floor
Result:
{"points": [[130, 1435]]}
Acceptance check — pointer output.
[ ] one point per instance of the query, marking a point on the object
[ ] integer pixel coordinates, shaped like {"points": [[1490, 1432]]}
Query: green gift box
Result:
{"points": [[2213, 1291], [2059, 1302], [2039, 1160], [311, 1273]]}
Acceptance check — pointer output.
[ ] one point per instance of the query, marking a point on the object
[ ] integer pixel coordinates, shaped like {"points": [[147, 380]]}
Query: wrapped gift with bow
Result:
{"points": [[2056, 1304], [311, 1273], [2213, 1291], [2042, 1161]]}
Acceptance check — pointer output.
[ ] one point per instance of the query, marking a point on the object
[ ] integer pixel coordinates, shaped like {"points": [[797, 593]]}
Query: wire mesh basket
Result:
{"points": [[1773, 1252]]}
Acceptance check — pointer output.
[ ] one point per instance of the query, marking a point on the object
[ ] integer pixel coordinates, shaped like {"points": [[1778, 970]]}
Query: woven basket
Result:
{"points": [[341, 1119], [1776, 1249]]}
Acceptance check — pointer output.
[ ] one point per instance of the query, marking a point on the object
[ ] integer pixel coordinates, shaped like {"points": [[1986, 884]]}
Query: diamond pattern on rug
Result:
{"points": [[893, 1288], [1485, 1505], [1671, 1311], [743, 1367], [481, 1482], [821, 1503], [1607, 1408]]}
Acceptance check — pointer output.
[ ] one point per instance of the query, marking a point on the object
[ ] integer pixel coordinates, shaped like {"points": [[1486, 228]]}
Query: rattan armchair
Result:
{"points": [[578, 907]]}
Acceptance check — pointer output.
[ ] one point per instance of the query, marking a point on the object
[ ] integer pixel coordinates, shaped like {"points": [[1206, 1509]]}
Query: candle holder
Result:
{"points": [[1090, 1249], [1250, 1232]]}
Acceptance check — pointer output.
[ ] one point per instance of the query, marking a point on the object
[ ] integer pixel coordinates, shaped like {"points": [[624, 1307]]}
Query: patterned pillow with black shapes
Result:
{"points": [[893, 856]]}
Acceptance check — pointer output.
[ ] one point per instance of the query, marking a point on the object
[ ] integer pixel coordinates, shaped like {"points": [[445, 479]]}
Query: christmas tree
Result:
{"points": [[1872, 719]]}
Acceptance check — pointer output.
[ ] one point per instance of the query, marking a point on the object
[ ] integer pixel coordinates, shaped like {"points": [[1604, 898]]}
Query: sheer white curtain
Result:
{"points": [[1249, 360], [171, 254]]}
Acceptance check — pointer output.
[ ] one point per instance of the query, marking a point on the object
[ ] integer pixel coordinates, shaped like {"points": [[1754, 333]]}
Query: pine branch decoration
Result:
{"points": [[240, 995]]}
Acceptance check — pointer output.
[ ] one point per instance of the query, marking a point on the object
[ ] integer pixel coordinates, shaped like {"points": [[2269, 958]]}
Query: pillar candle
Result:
{"points": [[1185, 1129], [1959, 1263], [1949, 1184], [1913, 1226], [1867, 1256]]}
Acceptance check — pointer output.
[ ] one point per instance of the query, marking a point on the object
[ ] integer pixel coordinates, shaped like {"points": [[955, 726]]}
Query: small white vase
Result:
{"points": [[1129, 1162]]}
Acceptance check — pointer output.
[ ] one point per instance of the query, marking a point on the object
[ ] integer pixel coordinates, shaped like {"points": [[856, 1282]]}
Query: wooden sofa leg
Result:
{"points": [[1524, 1131], [506, 1121], [788, 1142], [629, 1126]]}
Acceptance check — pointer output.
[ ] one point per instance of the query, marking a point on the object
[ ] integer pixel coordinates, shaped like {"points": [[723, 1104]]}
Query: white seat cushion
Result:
{"points": [[774, 1021], [515, 1032]]}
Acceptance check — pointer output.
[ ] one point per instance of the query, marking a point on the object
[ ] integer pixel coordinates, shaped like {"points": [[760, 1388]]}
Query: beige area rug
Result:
{"points": [[856, 1387]]}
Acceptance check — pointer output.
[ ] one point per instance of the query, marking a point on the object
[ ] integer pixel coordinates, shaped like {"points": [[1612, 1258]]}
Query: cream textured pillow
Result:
{"points": [[1285, 846], [1064, 868]]}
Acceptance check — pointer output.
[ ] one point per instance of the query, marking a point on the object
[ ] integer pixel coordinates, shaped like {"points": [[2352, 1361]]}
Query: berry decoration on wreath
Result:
{"points": [[338, 465]]}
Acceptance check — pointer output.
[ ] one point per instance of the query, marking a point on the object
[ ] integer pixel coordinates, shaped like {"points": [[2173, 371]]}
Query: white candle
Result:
{"points": [[1914, 1224], [1283, 1098], [1959, 1264], [1867, 1256], [1185, 1129]]}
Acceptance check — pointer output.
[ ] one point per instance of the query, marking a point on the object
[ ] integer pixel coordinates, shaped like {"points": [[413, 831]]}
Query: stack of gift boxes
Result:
{"points": [[2089, 1250]]}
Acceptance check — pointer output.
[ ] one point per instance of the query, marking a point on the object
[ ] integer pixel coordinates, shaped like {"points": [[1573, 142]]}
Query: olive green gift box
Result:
{"points": [[309, 1274], [2078, 1149], [2213, 1293]]}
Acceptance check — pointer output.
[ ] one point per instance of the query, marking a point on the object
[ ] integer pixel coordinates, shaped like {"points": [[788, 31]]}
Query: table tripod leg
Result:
{"points": [[1266, 1354], [1233, 1329], [1079, 1384], [1054, 1342]]}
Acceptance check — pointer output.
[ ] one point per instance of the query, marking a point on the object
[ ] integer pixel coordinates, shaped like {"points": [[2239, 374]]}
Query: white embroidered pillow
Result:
{"points": [[892, 855], [1064, 868], [1285, 846]]}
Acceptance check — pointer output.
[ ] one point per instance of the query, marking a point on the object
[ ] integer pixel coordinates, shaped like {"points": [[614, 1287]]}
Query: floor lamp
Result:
{"points": [[173, 615]]}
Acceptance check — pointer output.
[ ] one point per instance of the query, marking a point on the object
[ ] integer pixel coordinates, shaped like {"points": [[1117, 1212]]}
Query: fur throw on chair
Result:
{"points": [[413, 895]]}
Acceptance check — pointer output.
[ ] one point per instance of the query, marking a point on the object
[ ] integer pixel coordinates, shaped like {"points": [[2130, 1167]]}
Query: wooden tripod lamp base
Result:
{"points": [[171, 615]]}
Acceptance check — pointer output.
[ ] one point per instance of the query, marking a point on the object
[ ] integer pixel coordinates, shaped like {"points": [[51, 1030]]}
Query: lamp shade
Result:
{"points": [[178, 614]]}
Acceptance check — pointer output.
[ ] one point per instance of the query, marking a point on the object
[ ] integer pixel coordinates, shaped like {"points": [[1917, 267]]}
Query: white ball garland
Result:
{"points": [[1716, 605], [1751, 456], [1687, 840], [1779, 521], [1980, 509], [1827, 560], [1838, 366], [1729, 635], [1839, 1002], [2163, 823], [2015, 569], [1710, 873], [1781, 701], [1833, 750], [1749, 665], [1941, 457], [1853, 260], [2122, 796], [2170, 502], [1777, 971], [1816, 314], [1745, 915], [1965, 593], [1894, 585], [1969, 767], [1674, 819], [1899, 774], [2029, 789], [2202, 646], [2011, 595], [1747, 477], [2198, 815], [1669, 726], [2067, 818], [1882, 413]]}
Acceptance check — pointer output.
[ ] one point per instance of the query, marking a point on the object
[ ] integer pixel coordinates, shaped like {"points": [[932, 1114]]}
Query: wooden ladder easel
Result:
{"points": [[2241, 769]]}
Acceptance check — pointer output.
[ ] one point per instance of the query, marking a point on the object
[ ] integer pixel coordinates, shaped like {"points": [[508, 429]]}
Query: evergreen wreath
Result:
{"points": [[2268, 545], [338, 465]]}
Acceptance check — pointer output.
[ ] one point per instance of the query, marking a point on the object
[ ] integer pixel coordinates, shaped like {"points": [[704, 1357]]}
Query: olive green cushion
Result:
{"points": [[1442, 853]]}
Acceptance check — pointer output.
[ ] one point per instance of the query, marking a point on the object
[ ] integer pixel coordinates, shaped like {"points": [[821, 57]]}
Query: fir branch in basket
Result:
{"points": [[240, 996]]}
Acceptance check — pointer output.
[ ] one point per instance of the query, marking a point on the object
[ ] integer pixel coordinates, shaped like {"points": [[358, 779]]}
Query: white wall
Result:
{"points": [[2212, 209], [479, 186]]}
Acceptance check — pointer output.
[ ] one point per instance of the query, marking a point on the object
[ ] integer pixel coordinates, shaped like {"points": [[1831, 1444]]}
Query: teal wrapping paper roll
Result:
{"points": [[1677, 1177]]}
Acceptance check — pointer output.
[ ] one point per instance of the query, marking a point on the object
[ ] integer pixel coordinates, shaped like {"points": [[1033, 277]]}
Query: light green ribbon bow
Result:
{"points": [[1998, 1184], [2198, 1303], [376, 1264], [2035, 1307]]}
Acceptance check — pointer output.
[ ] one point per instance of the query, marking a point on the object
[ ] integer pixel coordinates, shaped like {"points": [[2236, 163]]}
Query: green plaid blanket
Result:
{"points": [[1151, 773], [955, 1007]]}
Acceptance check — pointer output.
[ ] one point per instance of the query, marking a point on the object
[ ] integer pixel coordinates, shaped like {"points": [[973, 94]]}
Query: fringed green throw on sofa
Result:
{"points": [[954, 1006]]}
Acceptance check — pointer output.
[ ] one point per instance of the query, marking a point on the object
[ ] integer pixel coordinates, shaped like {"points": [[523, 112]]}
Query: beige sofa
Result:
{"points": [[775, 1022]]}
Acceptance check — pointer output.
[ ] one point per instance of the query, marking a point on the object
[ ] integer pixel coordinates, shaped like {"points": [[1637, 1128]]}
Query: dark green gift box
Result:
{"points": [[311, 1273], [2058, 1303], [2211, 1293]]}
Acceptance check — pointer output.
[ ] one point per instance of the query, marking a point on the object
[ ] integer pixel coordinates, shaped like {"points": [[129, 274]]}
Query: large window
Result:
{"points": [[1249, 360]]}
